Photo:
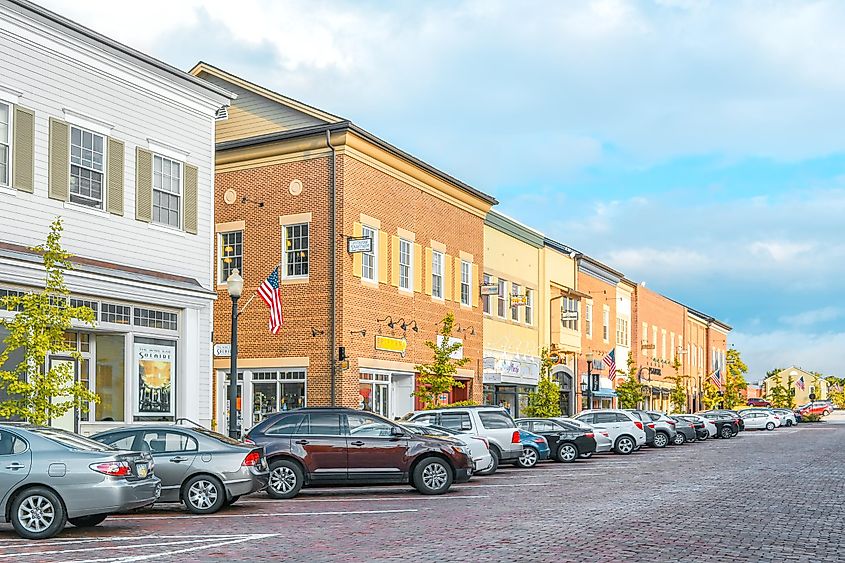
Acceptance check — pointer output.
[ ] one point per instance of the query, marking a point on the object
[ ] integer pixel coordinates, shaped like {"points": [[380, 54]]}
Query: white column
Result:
{"points": [[188, 384]]}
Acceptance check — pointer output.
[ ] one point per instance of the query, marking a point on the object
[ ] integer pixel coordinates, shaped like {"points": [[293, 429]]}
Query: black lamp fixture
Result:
{"points": [[362, 332], [584, 387], [470, 330], [254, 202], [391, 323], [412, 325], [315, 333]]}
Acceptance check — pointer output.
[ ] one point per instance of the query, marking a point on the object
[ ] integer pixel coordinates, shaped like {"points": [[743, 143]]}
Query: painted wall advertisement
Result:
{"points": [[155, 363]]}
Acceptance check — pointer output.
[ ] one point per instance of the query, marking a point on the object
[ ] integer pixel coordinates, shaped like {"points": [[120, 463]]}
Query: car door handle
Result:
{"points": [[178, 459], [357, 443], [301, 442], [15, 465]]}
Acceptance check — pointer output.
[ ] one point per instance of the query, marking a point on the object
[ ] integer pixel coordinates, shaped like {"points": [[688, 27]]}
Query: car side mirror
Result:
{"points": [[396, 431]]}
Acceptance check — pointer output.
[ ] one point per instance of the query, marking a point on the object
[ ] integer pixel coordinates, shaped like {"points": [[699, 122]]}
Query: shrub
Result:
{"points": [[811, 417]]}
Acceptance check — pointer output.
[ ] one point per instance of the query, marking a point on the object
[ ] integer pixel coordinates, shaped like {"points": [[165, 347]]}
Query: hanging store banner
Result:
{"points": [[155, 367]]}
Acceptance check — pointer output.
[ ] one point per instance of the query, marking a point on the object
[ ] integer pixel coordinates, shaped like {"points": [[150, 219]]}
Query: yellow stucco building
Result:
{"points": [[800, 382]]}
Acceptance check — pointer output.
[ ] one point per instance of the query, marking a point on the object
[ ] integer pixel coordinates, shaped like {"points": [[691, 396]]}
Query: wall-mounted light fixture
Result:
{"points": [[391, 323], [412, 325], [362, 332], [315, 333]]}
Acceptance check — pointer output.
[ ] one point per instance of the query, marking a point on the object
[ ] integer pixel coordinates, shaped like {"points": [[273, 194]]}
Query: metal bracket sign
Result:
{"points": [[654, 371], [222, 350], [489, 289], [569, 315], [359, 244], [519, 300]]}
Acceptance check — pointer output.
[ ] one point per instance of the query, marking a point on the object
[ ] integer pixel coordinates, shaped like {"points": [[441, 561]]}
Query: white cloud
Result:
{"points": [[813, 316], [822, 352], [780, 251]]}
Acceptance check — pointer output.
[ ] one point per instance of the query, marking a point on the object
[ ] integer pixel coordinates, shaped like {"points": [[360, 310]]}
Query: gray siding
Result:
{"points": [[251, 114]]}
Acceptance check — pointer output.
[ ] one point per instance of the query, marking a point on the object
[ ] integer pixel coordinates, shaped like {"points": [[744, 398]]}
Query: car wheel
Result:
{"points": [[494, 464], [203, 494], [432, 476], [587, 455], [826, 412], [286, 479], [38, 514], [680, 438], [770, 426], [529, 458], [726, 432], [88, 521], [567, 453], [624, 445], [661, 439]]}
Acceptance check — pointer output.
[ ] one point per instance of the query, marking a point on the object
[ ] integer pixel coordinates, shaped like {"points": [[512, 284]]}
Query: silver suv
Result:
{"points": [[493, 423]]}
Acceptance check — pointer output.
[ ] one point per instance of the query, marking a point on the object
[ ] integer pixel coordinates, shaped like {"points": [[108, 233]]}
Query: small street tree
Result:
{"points": [[36, 393], [629, 393], [837, 390], [711, 396], [545, 401], [734, 379], [678, 394], [781, 395], [438, 377]]}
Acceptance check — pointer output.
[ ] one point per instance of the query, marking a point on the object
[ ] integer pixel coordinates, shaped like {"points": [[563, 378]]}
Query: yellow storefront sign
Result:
{"points": [[391, 344]]}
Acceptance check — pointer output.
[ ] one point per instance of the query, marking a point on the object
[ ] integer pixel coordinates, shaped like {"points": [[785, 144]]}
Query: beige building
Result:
{"points": [[800, 382]]}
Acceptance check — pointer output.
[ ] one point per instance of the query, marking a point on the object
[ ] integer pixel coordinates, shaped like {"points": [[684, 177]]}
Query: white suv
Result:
{"points": [[493, 423], [623, 428]]}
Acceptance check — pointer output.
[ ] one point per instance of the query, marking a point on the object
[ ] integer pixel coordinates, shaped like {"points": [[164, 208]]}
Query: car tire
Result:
{"points": [[432, 476], [726, 432], [286, 479], [680, 439], [494, 464], [203, 494], [624, 445], [88, 521], [233, 500], [661, 440], [529, 458], [770, 426], [826, 412], [38, 514], [567, 453]]}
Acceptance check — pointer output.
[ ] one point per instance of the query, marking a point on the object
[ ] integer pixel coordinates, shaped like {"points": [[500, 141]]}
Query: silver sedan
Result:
{"points": [[49, 477]]}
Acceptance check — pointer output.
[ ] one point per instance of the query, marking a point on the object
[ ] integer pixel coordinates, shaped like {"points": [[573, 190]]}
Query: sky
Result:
{"points": [[697, 146]]}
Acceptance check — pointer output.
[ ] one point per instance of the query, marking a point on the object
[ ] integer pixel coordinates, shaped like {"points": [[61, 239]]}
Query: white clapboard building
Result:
{"points": [[121, 146]]}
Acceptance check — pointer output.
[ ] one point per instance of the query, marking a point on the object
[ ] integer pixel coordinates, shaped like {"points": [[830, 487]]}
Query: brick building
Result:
{"points": [[281, 168]]}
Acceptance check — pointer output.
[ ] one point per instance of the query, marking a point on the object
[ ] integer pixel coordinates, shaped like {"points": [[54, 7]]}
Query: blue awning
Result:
{"points": [[604, 393]]}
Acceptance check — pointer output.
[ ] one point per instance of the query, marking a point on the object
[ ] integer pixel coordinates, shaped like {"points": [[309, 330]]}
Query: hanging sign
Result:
{"points": [[223, 350], [489, 289], [359, 244]]}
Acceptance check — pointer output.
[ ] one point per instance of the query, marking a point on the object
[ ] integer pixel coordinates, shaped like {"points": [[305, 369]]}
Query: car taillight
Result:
{"points": [[671, 422], [251, 459], [589, 435], [639, 424], [651, 425], [112, 468], [515, 437], [540, 440], [606, 434], [248, 441]]}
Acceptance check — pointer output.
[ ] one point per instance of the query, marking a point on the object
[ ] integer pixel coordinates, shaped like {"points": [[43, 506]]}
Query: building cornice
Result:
{"points": [[513, 228]]}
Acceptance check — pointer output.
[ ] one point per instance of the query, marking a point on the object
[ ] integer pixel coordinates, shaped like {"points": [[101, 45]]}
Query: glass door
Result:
{"points": [[264, 400], [381, 398]]}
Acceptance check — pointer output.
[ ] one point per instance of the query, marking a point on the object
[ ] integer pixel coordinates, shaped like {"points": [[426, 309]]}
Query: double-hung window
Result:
{"points": [[369, 266], [529, 306], [588, 319], [406, 258], [605, 325], [502, 298], [231, 246], [466, 282], [167, 192], [437, 274], [485, 299], [5, 142], [295, 250], [87, 155], [515, 288]]}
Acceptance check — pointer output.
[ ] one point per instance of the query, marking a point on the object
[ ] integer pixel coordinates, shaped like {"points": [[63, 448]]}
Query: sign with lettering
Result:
{"points": [[359, 244], [223, 350], [569, 315], [489, 289], [155, 371], [391, 344]]}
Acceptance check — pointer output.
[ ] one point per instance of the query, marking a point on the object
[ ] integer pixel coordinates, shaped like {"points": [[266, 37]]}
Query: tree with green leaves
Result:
{"points": [[629, 393], [711, 395], [780, 395], [836, 390], [545, 400], [734, 379], [35, 392], [678, 394], [438, 377]]}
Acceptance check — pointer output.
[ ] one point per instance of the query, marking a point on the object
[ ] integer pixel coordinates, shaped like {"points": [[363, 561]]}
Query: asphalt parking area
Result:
{"points": [[744, 499]]}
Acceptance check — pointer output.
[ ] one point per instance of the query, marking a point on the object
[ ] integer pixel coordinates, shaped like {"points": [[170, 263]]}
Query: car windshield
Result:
{"points": [[70, 440], [217, 436]]}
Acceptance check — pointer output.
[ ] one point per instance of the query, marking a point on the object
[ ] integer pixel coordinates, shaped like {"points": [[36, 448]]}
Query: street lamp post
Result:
{"points": [[235, 286], [589, 381]]}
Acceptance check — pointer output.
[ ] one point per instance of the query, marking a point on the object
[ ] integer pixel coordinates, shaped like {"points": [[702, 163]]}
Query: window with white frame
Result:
{"points": [[295, 250], [369, 264], [529, 306], [515, 292], [605, 324], [437, 274], [466, 282], [621, 331], [502, 298], [406, 259], [87, 155], [486, 304], [588, 319], [5, 143], [167, 191], [231, 251], [569, 313]]}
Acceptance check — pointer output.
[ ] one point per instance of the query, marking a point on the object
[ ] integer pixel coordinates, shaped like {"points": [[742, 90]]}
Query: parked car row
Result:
{"points": [[49, 477]]}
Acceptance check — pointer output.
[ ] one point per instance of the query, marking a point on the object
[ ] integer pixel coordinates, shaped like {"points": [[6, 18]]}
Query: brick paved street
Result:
{"points": [[764, 496]]}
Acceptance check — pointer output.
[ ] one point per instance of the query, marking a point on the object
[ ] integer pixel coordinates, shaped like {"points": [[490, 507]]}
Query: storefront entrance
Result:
{"points": [[388, 393], [268, 391]]}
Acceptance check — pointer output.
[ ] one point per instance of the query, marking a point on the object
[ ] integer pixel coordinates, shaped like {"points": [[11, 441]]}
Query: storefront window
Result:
{"points": [[274, 391], [374, 393], [110, 378], [11, 364], [155, 370]]}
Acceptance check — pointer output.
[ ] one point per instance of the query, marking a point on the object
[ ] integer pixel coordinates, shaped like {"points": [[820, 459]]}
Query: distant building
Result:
{"points": [[800, 383]]}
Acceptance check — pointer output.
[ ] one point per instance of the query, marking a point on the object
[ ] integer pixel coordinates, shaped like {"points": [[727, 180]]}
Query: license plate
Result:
{"points": [[142, 469]]}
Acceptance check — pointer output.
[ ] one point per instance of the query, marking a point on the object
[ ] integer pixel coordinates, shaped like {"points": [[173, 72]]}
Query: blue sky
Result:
{"points": [[695, 145]]}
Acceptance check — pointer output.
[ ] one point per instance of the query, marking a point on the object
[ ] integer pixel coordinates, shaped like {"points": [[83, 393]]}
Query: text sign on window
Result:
{"points": [[155, 367], [359, 244]]}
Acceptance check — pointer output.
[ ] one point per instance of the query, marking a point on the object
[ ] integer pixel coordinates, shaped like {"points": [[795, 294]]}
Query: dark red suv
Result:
{"points": [[313, 446]]}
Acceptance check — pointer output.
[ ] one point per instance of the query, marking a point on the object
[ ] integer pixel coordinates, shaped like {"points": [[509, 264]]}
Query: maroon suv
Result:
{"points": [[339, 446]]}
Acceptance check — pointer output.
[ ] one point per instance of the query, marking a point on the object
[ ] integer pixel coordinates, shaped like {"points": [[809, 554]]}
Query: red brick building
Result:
{"points": [[281, 168]]}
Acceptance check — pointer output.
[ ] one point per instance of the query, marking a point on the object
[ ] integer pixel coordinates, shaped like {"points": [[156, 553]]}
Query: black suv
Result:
{"points": [[347, 446]]}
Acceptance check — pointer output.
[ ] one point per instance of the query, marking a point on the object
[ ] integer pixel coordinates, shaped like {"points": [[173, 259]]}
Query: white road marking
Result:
{"points": [[265, 514], [130, 559], [257, 502], [116, 538], [99, 548]]}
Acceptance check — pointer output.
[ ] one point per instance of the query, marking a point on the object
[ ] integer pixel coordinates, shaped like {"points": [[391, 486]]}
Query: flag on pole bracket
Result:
{"points": [[271, 295], [610, 361]]}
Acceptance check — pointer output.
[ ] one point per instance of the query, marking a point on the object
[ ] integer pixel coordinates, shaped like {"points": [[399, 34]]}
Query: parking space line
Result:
{"points": [[98, 548], [265, 514], [257, 502], [116, 538]]}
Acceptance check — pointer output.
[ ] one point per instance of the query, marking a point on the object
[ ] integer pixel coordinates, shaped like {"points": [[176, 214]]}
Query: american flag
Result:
{"points": [[610, 361], [717, 376], [800, 383], [270, 294]]}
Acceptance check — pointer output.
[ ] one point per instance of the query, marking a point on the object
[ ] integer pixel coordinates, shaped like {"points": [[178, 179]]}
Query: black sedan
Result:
{"points": [[567, 442], [726, 425]]}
